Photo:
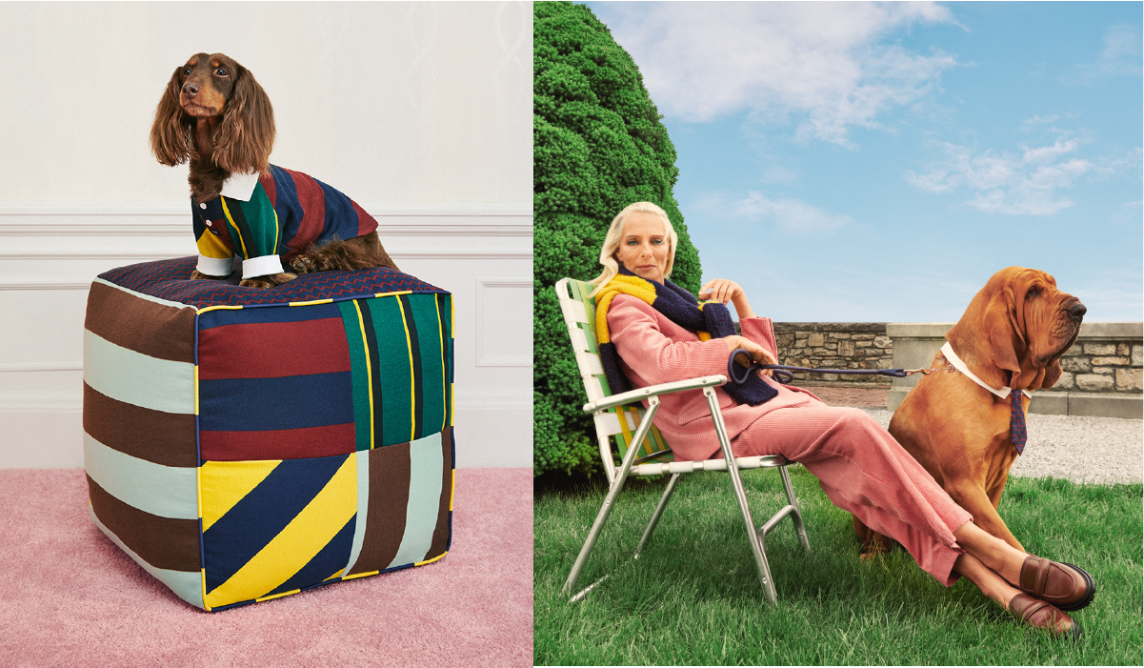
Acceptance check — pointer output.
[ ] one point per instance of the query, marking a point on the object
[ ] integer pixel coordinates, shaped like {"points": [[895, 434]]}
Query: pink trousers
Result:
{"points": [[866, 472]]}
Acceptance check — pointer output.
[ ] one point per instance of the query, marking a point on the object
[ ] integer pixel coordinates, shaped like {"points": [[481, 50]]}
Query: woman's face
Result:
{"points": [[644, 247]]}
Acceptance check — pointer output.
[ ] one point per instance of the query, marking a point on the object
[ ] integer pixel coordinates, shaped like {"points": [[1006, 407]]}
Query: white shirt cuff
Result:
{"points": [[261, 266], [215, 266]]}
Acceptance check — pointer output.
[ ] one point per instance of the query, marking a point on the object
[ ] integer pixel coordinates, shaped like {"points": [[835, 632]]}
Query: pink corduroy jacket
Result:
{"points": [[655, 350]]}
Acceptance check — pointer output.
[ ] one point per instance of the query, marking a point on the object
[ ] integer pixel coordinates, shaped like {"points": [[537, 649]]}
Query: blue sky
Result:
{"points": [[868, 162]]}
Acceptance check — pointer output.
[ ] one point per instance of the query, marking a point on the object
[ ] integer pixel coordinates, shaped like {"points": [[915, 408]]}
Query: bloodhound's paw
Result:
{"points": [[264, 282]]}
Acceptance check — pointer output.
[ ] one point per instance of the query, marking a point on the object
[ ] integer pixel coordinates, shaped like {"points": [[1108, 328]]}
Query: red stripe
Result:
{"points": [[312, 199], [267, 181], [273, 350], [366, 222], [233, 446]]}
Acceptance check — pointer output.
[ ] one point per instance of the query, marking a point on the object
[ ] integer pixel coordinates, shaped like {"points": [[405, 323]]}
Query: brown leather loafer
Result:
{"points": [[1043, 615], [1065, 586]]}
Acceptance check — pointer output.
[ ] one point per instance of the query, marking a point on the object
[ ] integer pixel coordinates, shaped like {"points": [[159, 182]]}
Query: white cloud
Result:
{"points": [[1131, 213], [1028, 183], [789, 214], [821, 63], [1121, 56]]}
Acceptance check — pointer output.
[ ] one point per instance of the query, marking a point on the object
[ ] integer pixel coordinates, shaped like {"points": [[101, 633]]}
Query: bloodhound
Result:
{"points": [[1011, 338]]}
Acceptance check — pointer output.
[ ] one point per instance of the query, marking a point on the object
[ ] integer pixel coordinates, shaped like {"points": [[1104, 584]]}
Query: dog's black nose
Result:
{"points": [[191, 89], [1077, 310]]}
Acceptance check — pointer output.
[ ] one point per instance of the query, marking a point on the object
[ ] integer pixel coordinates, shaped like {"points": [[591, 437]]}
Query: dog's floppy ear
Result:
{"points": [[1002, 331], [246, 135], [170, 133]]}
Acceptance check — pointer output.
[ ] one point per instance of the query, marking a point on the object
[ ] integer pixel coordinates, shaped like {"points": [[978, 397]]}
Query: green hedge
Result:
{"points": [[598, 146]]}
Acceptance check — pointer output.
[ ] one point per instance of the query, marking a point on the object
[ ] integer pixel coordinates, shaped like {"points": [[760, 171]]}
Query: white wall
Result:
{"points": [[421, 112]]}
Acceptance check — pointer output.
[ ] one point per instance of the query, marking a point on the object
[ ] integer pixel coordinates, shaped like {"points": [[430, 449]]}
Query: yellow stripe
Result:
{"points": [[271, 598], [196, 389], [444, 382], [625, 431], [412, 385], [298, 543], [359, 575], [203, 580], [234, 226], [394, 294], [219, 308], [316, 301], [429, 561], [368, 371], [227, 483], [452, 489]]}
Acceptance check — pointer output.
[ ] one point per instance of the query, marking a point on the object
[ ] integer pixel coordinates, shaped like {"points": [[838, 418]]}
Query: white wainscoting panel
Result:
{"points": [[49, 254]]}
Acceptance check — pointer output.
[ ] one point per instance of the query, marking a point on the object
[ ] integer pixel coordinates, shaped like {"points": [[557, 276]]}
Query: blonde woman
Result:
{"points": [[655, 338]]}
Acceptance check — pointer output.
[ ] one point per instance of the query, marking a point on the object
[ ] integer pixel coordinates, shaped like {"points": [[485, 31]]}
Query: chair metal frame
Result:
{"points": [[611, 414]]}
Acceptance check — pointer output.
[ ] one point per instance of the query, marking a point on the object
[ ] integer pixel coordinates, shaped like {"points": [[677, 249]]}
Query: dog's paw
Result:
{"points": [[264, 282]]}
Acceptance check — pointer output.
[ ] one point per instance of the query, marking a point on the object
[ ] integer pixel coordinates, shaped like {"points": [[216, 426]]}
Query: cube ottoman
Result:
{"points": [[244, 444]]}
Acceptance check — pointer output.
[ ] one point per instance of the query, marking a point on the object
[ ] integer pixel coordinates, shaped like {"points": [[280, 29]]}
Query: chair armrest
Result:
{"points": [[654, 391]]}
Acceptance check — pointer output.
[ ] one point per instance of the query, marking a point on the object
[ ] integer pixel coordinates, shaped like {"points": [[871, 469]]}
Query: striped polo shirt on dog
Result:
{"points": [[265, 218]]}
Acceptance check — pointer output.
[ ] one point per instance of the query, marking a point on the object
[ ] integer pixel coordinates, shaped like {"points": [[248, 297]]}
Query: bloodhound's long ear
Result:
{"points": [[1002, 329], [171, 133], [246, 135]]}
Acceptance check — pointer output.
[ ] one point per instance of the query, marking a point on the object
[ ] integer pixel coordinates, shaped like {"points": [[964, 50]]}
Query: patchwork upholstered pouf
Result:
{"points": [[246, 444]]}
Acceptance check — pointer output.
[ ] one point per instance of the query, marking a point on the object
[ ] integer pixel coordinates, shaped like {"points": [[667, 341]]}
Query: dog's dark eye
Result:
{"points": [[1034, 291], [187, 72], [221, 71]]}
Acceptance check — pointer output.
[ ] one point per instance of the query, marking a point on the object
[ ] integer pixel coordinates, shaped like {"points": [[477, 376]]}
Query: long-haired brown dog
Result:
{"points": [[214, 114]]}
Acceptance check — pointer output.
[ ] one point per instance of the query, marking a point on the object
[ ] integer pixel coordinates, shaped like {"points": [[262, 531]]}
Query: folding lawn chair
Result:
{"points": [[621, 421]]}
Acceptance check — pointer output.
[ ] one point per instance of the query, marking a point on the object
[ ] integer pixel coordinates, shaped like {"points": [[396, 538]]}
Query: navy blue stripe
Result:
{"points": [[329, 560], [286, 205], [262, 514], [341, 219], [248, 315], [264, 404]]}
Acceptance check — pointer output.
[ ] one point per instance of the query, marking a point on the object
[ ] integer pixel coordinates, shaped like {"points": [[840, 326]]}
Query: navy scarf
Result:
{"points": [[682, 308]]}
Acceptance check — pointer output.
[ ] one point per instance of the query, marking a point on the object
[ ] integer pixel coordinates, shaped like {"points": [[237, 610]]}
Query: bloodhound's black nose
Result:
{"points": [[1077, 310]]}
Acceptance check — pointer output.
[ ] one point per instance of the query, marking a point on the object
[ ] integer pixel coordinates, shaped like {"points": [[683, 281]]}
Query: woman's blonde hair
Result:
{"points": [[616, 234]]}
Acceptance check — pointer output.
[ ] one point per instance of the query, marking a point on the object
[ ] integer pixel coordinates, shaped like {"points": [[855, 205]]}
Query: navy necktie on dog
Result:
{"points": [[1017, 431]]}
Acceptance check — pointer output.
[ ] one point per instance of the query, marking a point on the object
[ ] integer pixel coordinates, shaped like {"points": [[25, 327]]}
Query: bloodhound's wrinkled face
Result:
{"points": [[1043, 323], [206, 84]]}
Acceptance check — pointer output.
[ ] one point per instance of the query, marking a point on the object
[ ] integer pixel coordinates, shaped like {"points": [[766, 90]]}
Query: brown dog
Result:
{"points": [[1011, 336], [279, 222]]}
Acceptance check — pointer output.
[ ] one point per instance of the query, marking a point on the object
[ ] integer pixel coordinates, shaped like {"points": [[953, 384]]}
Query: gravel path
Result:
{"points": [[1080, 449]]}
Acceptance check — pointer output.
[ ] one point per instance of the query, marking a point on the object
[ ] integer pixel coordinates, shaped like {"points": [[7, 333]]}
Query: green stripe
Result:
{"points": [[393, 392], [433, 390], [358, 372]]}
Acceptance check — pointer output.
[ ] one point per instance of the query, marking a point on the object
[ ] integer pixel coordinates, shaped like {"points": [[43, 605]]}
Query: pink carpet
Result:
{"points": [[69, 597]]}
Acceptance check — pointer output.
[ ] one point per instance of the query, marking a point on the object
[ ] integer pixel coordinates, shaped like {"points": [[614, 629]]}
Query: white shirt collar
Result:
{"points": [[960, 365], [239, 186]]}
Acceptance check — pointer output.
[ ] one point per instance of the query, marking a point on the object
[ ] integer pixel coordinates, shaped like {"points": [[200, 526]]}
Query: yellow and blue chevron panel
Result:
{"points": [[242, 445]]}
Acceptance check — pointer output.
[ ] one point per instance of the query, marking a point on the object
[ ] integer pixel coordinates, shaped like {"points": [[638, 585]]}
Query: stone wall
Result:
{"points": [[835, 345], [1102, 366]]}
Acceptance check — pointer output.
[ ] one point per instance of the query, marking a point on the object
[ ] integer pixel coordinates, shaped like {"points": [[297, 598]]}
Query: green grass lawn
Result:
{"points": [[693, 596]]}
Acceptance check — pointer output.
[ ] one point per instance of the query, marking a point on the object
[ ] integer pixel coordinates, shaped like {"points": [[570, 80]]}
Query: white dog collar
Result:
{"points": [[960, 365]]}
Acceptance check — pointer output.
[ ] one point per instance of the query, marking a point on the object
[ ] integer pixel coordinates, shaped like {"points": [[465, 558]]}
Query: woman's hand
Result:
{"points": [[723, 290], [757, 352]]}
